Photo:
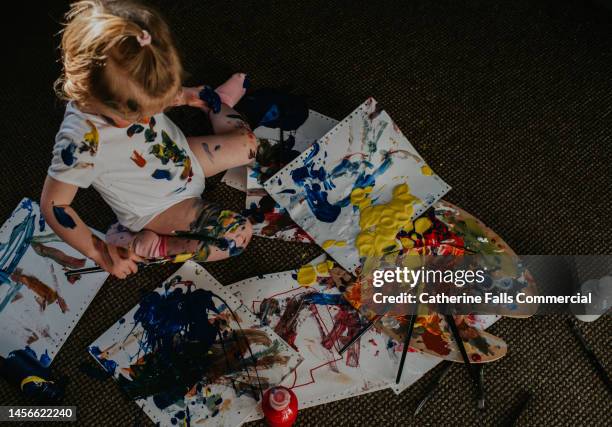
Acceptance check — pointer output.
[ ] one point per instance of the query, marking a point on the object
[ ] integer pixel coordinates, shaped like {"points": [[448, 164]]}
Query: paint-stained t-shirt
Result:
{"points": [[140, 170]]}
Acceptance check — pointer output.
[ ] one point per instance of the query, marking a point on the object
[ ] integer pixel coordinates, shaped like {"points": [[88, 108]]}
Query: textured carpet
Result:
{"points": [[511, 104]]}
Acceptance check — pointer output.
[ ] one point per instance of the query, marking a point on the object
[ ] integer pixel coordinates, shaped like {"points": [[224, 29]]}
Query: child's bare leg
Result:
{"points": [[233, 144], [218, 234]]}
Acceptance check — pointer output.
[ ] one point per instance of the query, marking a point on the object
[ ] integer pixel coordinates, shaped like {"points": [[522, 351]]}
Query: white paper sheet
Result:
{"points": [[174, 318], [39, 306], [366, 149]]}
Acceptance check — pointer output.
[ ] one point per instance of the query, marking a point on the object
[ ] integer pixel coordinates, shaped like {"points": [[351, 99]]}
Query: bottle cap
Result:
{"points": [[279, 398]]}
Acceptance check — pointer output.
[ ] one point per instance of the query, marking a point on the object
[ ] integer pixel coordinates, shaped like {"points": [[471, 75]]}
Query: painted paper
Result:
{"points": [[189, 354], [277, 149], [39, 306], [317, 321], [363, 161]]}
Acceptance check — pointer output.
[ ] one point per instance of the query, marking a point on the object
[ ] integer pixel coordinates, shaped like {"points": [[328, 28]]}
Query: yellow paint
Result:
{"points": [[306, 275], [421, 225], [426, 170], [182, 257], [380, 223], [324, 267], [91, 137], [329, 243], [33, 379], [360, 197]]}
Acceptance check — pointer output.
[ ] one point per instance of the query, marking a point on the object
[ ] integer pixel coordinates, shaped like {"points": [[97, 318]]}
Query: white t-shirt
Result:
{"points": [[140, 171]]}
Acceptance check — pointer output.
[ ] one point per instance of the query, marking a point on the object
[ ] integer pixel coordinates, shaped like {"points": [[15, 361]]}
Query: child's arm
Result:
{"points": [[55, 207]]}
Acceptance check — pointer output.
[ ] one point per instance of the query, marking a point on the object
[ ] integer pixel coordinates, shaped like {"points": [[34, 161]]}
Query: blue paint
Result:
{"points": [[13, 250], [162, 174], [41, 223], [67, 154], [325, 299], [317, 182], [287, 191], [134, 129], [44, 359], [177, 312], [109, 365], [211, 98], [63, 217], [271, 115], [319, 205], [247, 82]]}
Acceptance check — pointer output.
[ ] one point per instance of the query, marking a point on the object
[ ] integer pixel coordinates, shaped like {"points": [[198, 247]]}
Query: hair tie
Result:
{"points": [[144, 39]]}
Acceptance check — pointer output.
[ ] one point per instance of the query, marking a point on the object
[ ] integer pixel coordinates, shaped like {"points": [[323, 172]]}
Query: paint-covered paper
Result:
{"points": [[39, 305], [277, 148], [362, 162], [190, 354], [311, 314]]}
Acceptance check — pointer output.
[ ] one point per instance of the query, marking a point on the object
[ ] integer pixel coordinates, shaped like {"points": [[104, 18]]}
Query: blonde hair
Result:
{"points": [[105, 60]]}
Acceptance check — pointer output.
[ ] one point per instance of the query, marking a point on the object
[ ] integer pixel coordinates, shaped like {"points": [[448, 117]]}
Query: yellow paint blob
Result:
{"points": [[380, 223], [329, 243], [306, 275], [182, 257], [421, 225], [360, 197], [426, 170], [323, 268]]}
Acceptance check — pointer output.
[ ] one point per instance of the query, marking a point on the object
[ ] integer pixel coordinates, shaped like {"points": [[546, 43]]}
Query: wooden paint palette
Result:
{"points": [[432, 336]]}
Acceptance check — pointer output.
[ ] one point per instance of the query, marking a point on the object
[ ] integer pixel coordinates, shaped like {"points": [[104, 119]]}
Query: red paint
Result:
{"points": [[138, 159], [280, 407], [435, 343]]}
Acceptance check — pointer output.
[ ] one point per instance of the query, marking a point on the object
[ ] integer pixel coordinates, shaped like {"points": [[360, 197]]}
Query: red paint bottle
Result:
{"points": [[280, 407]]}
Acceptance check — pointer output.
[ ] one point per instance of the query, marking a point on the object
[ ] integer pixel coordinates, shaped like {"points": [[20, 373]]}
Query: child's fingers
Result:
{"points": [[136, 258]]}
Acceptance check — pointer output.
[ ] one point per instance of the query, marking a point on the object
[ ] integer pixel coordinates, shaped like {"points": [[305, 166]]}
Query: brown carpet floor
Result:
{"points": [[510, 103]]}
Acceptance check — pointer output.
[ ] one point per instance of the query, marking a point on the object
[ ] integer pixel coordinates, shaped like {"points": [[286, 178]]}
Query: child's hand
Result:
{"points": [[116, 260], [191, 96]]}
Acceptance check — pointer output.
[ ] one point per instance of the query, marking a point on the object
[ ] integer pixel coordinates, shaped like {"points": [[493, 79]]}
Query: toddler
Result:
{"points": [[121, 70]]}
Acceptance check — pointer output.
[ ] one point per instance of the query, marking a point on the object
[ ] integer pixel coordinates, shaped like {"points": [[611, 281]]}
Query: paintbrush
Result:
{"points": [[98, 269], [472, 370], [360, 333], [411, 321], [433, 386], [601, 371], [363, 330]]}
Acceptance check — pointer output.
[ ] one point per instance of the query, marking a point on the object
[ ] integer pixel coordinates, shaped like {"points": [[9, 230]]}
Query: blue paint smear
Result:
{"points": [[287, 191], [44, 360], [67, 154], [247, 82], [316, 182], [41, 224], [271, 115], [13, 250], [211, 98], [107, 364], [63, 217], [325, 299], [164, 316], [162, 174]]}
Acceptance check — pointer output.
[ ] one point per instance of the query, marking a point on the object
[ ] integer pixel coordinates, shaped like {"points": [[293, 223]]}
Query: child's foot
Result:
{"points": [[232, 90], [145, 243], [118, 235]]}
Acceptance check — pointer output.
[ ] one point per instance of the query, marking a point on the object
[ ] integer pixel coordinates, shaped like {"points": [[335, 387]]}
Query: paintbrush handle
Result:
{"points": [[450, 319], [98, 269], [407, 338], [433, 386], [601, 371], [359, 334]]}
